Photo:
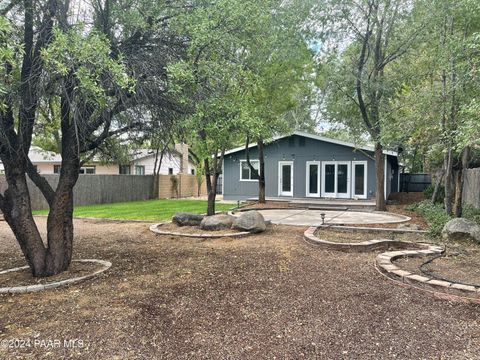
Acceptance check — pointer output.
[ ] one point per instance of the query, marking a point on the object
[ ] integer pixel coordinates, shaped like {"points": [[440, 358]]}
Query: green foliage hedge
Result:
{"points": [[428, 192], [436, 216]]}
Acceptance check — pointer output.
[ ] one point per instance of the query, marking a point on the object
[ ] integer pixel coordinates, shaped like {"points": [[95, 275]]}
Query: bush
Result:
{"points": [[435, 216], [428, 192], [471, 213]]}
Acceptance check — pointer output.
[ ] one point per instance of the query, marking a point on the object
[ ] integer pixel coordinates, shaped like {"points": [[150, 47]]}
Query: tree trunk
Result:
{"points": [[211, 189], [18, 214], [460, 179], [438, 184], [56, 257], [448, 182], [380, 204], [261, 175]]}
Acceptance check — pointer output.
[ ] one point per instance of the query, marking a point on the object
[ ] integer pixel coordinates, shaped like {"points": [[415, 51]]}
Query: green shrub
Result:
{"points": [[428, 192], [435, 216], [471, 213]]}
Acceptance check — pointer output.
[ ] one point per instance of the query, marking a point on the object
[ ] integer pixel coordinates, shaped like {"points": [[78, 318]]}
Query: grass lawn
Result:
{"points": [[161, 209]]}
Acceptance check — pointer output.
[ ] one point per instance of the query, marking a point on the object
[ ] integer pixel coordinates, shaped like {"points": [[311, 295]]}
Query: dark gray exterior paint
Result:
{"points": [[286, 149]]}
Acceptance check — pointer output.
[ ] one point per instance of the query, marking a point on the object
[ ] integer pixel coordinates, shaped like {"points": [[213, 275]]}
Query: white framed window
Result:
{"points": [[246, 173], [139, 170], [87, 170]]}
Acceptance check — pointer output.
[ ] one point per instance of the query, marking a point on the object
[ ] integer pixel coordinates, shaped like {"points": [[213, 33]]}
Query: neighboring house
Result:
{"points": [[143, 160], [303, 165], [173, 162]]}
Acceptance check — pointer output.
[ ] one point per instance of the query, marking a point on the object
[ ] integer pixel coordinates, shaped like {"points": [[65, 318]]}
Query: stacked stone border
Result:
{"points": [[384, 261], [155, 228], [40, 287]]}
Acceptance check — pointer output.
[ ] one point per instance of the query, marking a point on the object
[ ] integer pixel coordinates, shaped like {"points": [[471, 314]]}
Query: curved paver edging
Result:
{"points": [[154, 228], [369, 245], [384, 261], [55, 284], [371, 229], [385, 265]]}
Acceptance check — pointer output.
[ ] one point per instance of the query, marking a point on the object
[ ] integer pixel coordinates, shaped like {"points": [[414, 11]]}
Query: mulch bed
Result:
{"points": [[194, 229], [354, 237], [460, 264], [268, 295], [24, 277], [403, 198]]}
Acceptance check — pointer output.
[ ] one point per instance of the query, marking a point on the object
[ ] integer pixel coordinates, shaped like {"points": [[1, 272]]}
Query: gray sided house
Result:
{"points": [[303, 165]]}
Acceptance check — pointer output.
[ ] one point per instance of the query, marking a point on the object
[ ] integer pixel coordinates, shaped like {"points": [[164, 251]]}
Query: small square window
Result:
{"points": [[170, 171], [124, 170], [56, 169], [246, 172], [87, 170], [192, 171]]}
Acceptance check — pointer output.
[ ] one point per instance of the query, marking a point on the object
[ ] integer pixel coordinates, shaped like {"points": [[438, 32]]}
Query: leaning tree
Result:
{"points": [[96, 76]]}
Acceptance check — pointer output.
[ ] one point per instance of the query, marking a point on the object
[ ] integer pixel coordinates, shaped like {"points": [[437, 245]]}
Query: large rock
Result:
{"points": [[461, 229], [217, 222], [187, 219], [251, 221]]}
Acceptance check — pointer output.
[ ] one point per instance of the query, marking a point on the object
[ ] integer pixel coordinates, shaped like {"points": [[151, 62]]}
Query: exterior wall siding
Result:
{"points": [[293, 150]]}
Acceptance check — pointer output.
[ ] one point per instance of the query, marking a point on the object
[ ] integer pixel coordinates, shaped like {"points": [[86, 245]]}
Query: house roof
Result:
{"points": [[38, 155], [320, 138]]}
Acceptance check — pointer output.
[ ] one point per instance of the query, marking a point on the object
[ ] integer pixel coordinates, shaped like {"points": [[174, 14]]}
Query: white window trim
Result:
{"points": [[307, 179], [250, 171], [139, 167], [280, 163], [88, 167], [365, 178]]}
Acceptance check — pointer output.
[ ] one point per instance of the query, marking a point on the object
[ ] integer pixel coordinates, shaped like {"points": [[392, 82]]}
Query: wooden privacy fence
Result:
{"points": [[180, 185], [471, 188], [105, 189], [410, 182], [95, 189]]}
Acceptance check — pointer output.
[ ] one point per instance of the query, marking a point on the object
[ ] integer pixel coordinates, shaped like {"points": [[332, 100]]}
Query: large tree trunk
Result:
{"points": [[261, 175], [448, 182], [56, 256], [211, 189], [380, 203], [460, 180], [18, 214], [438, 184]]}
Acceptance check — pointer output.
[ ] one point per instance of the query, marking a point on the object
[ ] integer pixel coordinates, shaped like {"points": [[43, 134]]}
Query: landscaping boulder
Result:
{"points": [[217, 222], [187, 219], [251, 221], [461, 229]]}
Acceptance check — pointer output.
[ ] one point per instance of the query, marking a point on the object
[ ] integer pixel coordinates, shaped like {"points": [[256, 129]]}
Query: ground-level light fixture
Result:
{"points": [[323, 218]]}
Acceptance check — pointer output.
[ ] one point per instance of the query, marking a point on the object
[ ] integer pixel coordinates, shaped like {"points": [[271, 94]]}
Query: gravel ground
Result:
{"points": [[265, 296]]}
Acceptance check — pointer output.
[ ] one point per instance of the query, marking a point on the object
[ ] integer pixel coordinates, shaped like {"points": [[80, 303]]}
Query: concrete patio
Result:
{"points": [[308, 217]]}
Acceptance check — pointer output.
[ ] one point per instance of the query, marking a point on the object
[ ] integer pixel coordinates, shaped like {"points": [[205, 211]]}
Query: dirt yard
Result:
{"points": [[265, 296]]}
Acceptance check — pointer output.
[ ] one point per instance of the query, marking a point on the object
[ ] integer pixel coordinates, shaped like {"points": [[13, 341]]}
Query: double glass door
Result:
{"points": [[336, 179]]}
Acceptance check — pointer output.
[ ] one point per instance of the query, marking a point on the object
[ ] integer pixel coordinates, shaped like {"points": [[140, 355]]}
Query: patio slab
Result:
{"points": [[305, 217]]}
